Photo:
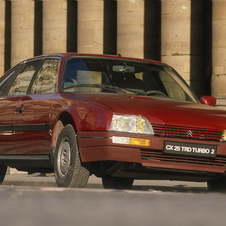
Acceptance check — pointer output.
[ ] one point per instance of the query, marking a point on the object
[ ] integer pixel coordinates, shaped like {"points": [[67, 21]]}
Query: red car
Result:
{"points": [[118, 118]]}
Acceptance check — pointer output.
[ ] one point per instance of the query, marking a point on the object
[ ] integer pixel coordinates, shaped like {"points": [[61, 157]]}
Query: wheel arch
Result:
{"points": [[64, 118]]}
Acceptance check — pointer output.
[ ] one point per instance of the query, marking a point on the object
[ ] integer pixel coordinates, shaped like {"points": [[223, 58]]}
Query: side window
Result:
{"points": [[46, 79], [172, 87], [23, 79], [4, 85]]}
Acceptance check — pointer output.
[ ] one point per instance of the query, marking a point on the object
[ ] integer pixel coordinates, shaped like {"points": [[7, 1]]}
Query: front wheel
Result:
{"points": [[68, 169], [117, 182]]}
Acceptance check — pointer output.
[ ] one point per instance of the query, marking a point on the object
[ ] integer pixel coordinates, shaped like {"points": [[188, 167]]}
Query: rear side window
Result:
{"points": [[23, 79], [46, 78], [4, 85]]}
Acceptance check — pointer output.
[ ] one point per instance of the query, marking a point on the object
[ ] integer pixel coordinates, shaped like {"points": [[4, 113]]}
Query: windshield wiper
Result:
{"points": [[137, 92], [107, 87]]}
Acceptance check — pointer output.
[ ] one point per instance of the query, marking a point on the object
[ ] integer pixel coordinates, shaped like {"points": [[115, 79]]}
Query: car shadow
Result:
{"points": [[160, 188], [176, 188]]}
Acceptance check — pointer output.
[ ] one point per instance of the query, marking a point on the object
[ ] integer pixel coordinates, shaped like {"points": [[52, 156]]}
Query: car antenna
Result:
{"points": [[118, 54]]}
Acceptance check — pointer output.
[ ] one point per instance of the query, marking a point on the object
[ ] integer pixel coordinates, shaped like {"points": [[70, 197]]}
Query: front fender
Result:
{"points": [[83, 115], [88, 116]]}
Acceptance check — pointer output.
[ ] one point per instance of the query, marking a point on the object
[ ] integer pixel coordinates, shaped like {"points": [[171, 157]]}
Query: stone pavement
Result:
{"points": [[41, 180], [33, 180]]}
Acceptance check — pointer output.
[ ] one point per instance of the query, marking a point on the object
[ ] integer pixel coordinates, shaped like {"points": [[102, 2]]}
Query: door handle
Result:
{"points": [[19, 109]]}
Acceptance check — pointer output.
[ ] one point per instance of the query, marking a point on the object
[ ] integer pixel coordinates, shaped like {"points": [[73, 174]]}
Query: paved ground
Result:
{"points": [[33, 180], [37, 180], [36, 200], [157, 203]]}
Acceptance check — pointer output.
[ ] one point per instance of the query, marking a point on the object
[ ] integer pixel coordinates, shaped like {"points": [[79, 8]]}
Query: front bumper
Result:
{"points": [[98, 146]]}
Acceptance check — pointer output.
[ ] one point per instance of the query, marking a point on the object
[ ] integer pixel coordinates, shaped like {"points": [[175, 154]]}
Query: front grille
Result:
{"points": [[219, 161], [187, 132]]}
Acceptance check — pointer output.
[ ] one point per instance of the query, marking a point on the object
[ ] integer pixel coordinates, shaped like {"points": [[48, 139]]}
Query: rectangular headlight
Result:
{"points": [[224, 136], [131, 124]]}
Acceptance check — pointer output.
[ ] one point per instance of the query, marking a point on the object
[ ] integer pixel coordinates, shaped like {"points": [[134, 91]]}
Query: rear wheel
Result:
{"points": [[217, 184], [68, 169], [117, 182], [3, 170]]}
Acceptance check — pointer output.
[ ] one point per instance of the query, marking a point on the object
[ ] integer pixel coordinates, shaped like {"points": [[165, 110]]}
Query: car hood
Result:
{"points": [[163, 110]]}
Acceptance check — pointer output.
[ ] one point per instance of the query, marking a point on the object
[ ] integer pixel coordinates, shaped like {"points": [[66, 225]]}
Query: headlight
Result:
{"points": [[224, 136], [131, 124]]}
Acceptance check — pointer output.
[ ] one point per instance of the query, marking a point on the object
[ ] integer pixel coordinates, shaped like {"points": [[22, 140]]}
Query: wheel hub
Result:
{"points": [[64, 158]]}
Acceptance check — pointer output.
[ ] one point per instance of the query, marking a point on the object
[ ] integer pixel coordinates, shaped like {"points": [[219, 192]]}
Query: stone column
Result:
{"points": [[22, 30], [54, 26], [2, 37], [176, 30], [130, 32], [90, 26], [219, 51]]}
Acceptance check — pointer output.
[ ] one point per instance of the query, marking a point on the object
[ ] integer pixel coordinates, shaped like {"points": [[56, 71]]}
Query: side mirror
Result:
{"points": [[208, 100]]}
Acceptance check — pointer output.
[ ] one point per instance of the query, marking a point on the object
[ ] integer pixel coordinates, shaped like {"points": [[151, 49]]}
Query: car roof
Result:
{"points": [[66, 55]]}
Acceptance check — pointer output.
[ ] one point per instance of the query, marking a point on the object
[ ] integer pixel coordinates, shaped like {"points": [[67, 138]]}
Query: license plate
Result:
{"points": [[188, 149]]}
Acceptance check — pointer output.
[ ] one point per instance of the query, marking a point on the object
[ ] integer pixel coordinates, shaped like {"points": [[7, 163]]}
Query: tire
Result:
{"points": [[68, 169], [217, 184], [117, 182], [3, 170]]}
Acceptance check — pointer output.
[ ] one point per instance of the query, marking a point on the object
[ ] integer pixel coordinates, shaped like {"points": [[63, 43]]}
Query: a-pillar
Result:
{"points": [[130, 28], [90, 26], [176, 30], [2, 37], [54, 26], [219, 51], [22, 30]]}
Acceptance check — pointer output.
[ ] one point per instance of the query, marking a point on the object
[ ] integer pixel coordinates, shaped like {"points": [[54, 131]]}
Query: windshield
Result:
{"points": [[124, 77]]}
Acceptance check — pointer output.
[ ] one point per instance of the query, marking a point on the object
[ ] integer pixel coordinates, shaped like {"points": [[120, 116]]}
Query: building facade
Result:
{"points": [[187, 34]]}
